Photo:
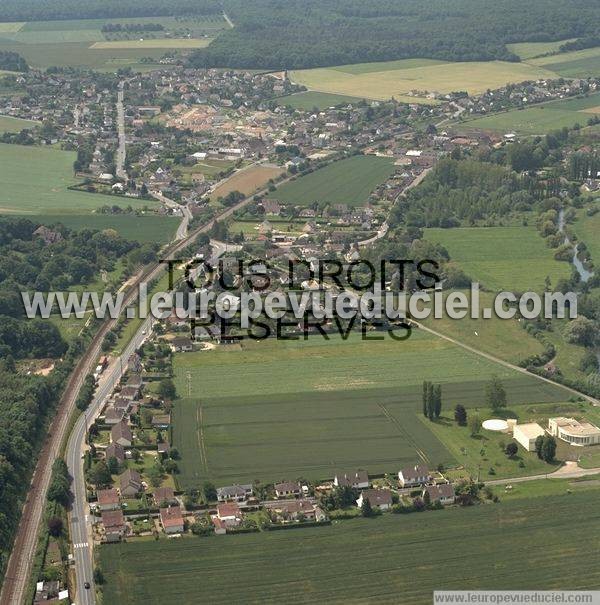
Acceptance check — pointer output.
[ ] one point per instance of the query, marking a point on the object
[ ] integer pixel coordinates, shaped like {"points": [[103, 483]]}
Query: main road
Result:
{"points": [[121, 149]]}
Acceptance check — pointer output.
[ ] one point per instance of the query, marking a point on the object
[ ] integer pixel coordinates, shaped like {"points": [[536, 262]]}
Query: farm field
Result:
{"points": [[310, 99], [313, 564], [348, 181], [73, 43], [530, 50], [574, 64], [502, 258], [247, 181], [308, 408], [10, 124], [148, 228], [399, 78], [35, 181], [541, 118]]}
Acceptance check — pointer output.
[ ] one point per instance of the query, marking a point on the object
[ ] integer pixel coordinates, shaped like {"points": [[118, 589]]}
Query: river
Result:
{"points": [[584, 274]]}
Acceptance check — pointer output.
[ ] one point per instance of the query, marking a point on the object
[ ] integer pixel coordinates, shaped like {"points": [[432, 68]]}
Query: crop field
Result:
{"points": [[10, 124], [399, 78], [311, 99], [574, 64], [502, 258], [541, 118], [530, 50], [387, 559], [73, 43], [348, 181], [275, 409], [35, 180], [247, 181], [149, 228]]}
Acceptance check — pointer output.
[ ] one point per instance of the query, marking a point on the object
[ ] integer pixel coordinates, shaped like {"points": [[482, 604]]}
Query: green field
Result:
{"points": [[541, 118], [310, 99], [587, 229], [35, 181], [10, 124], [148, 228], [398, 78], [530, 50], [502, 258], [513, 545], [574, 64], [275, 409], [348, 181], [74, 43]]}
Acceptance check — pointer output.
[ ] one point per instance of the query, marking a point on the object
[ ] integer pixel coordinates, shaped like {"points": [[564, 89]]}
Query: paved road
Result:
{"points": [[121, 150], [569, 471], [182, 230]]}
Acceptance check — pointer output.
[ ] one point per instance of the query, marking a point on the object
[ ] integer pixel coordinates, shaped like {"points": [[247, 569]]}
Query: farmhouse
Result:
{"points": [[114, 525], [130, 483], [108, 499], [444, 492], [413, 476], [526, 434], [287, 489], [121, 434], [378, 498], [574, 432], [234, 493], [358, 479], [171, 520]]}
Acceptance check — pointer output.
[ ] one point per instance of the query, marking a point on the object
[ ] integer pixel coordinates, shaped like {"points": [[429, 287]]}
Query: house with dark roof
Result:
{"points": [[121, 434], [108, 499], [287, 489], [171, 520], [357, 479], [114, 525], [285, 511], [130, 483], [164, 495], [115, 450], [378, 498], [414, 476], [234, 493], [444, 492]]}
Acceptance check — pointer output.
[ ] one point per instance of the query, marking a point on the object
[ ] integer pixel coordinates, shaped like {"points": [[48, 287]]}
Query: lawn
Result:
{"points": [[275, 409], [247, 180], [541, 118], [348, 181], [502, 258], [513, 545], [398, 78], [36, 179], [10, 124], [321, 100]]}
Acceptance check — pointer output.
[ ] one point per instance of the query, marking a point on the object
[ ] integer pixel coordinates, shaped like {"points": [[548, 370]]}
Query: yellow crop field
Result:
{"points": [[398, 82], [247, 181], [11, 28], [153, 43]]}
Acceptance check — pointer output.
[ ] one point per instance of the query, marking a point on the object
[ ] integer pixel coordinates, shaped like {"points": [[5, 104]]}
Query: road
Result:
{"points": [[121, 149], [182, 230], [80, 526]]}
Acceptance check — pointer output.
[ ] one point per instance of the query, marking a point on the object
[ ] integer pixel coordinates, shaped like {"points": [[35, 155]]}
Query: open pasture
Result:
{"points": [[152, 43], [502, 258], [273, 409], [311, 99], [574, 64], [396, 557], [348, 181], [399, 78], [531, 50], [10, 124]]}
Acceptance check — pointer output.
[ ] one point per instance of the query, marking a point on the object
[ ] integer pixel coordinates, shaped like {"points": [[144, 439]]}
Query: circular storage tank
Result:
{"points": [[495, 424]]}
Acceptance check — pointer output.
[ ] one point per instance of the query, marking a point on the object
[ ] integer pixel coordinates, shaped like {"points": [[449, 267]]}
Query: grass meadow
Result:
{"points": [[348, 181], [311, 99], [10, 124], [274, 409], [390, 559], [502, 258], [574, 64], [530, 50]]}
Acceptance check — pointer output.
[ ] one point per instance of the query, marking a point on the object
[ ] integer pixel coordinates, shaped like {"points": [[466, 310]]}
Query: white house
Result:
{"points": [[413, 476]]}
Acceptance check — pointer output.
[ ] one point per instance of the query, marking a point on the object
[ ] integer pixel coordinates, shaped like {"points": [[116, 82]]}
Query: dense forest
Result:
{"points": [[10, 61], [273, 34]]}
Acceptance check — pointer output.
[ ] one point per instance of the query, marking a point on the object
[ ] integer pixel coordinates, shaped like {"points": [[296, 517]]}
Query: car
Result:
{"points": [[86, 585]]}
